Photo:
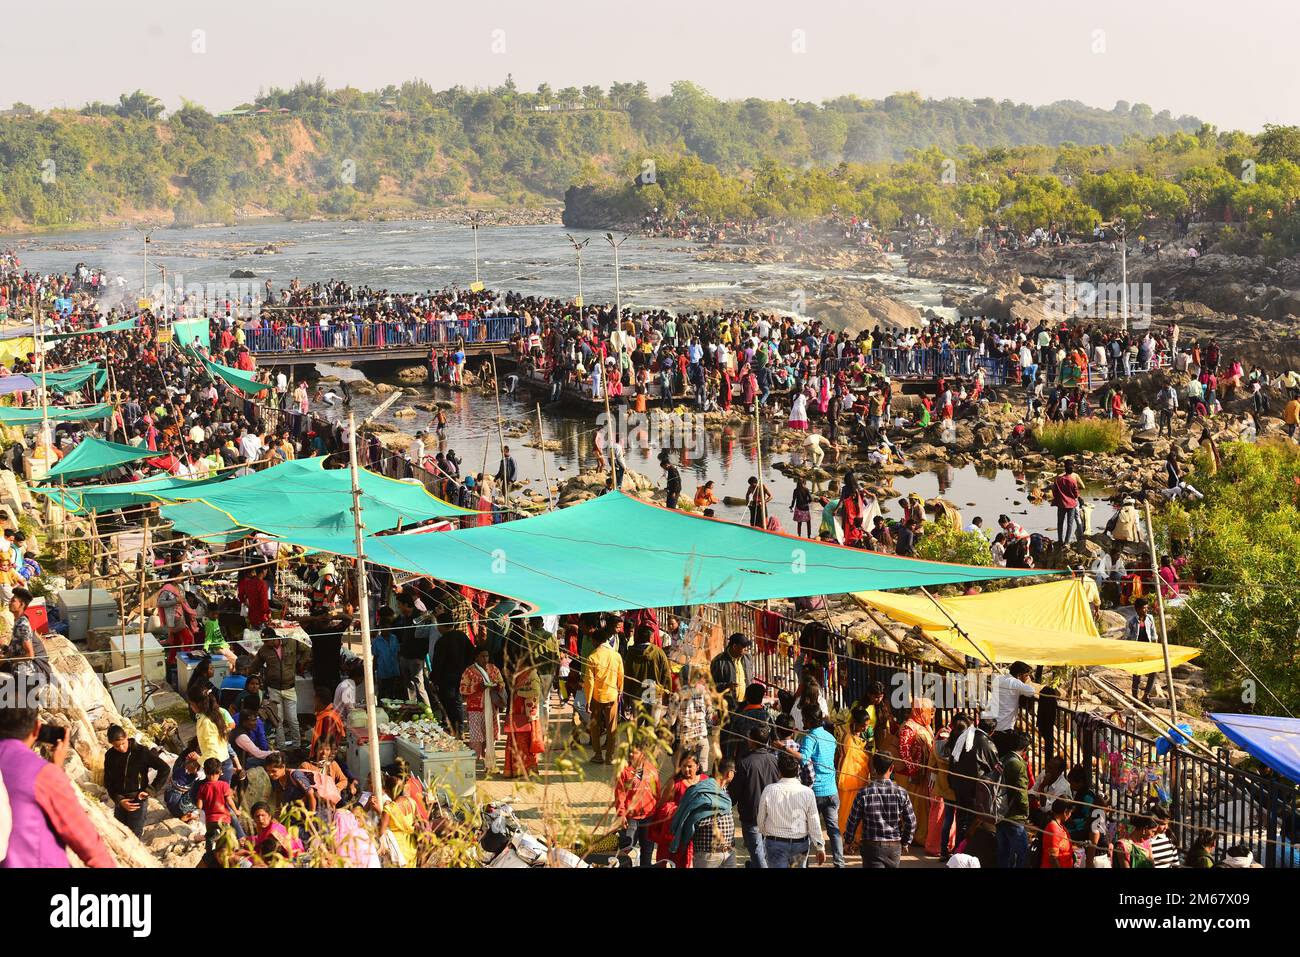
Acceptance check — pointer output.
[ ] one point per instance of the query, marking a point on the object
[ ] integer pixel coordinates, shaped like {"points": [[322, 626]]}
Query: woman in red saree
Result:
{"points": [[524, 737], [688, 775], [480, 687]]}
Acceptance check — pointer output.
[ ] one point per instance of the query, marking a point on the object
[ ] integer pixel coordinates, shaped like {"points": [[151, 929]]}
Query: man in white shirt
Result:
{"points": [[1004, 701], [788, 818], [1109, 570], [250, 447]]}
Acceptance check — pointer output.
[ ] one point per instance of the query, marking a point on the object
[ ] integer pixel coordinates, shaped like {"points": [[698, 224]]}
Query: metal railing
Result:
{"points": [[355, 335], [1128, 773]]}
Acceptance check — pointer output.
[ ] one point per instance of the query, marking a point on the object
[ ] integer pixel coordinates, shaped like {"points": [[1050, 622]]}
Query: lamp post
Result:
{"points": [[1123, 276], [618, 296], [476, 221], [578, 247]]}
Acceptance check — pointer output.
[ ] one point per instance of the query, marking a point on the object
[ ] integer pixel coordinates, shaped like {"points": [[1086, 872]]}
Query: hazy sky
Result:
{"points": [[1230, 63]]}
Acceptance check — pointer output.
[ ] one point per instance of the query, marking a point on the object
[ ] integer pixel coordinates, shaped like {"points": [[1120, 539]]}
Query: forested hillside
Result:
{"points": [[311, 150]]}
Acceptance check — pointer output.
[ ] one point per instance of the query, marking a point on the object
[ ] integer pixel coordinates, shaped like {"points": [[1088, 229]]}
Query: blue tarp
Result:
{"points": [[1275, 741], [16, 383]]}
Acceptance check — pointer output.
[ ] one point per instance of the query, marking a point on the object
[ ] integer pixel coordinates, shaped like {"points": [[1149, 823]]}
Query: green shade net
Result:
{"points": [[203, 522], [185, 331], [242, 381], [73, 378], [304, 498], [111, 327], [75, 413], [105, 498], [614, 552], [94, 457]]}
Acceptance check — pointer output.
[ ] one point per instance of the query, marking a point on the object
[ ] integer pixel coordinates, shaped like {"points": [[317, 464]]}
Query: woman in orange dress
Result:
{"points": [[524, 739], [915, 771]]}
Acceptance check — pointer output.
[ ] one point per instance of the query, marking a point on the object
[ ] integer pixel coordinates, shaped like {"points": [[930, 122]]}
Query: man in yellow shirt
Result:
{"points": [[602, 683]]}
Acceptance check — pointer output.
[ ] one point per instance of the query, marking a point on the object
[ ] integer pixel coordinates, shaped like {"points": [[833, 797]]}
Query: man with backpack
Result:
{"points": [[1013, 804], [974, 772]]}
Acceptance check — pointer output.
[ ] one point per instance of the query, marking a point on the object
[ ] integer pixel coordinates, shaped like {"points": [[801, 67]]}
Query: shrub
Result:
{"points": [[944, 543], [1081, 435]]}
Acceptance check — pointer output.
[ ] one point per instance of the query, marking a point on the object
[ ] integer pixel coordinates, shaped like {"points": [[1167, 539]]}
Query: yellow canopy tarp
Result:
{"points": [[19, 348], [1047, 624]]}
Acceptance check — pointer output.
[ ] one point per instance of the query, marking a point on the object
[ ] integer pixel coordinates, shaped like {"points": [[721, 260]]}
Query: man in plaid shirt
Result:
{"points": [[884, 812]]}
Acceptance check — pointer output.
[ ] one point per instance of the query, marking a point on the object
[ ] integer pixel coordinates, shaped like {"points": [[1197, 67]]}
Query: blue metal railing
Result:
{"points": [[359, 335]]}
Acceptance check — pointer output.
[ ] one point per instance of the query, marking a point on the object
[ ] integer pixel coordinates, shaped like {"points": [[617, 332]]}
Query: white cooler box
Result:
{"points": [[450, 773], [125, 688], [72, 607], [358, 755], [187, 661], [126, 654]]}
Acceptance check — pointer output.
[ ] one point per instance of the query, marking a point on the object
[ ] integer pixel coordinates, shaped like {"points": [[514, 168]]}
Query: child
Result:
{"points": [[181, 789], [214, 639], [217, 803]]}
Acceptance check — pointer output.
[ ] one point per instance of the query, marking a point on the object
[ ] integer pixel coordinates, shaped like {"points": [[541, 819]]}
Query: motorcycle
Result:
{"points": [[506, 843]]}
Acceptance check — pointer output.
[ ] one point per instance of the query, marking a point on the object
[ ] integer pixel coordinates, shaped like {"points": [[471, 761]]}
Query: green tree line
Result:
{"points": [[310, 149]]}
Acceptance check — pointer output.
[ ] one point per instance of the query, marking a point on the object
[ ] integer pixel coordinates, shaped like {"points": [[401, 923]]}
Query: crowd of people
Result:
{"points": [[801, 782]]}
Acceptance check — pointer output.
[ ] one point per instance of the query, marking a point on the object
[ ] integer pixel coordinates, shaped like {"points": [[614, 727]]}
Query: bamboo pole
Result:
{"points": [[90, 580], [947, 652], [609, 423], [1136, 706], [144, 555], [760, 492], [541, 448], [501, 434], [1160, 603]]}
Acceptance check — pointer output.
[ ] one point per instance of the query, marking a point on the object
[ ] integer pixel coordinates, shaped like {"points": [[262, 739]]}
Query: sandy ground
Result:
{"points": [[579, 798]]}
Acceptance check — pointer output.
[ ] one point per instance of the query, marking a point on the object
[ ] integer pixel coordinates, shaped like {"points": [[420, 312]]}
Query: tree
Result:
{"points": [[208, 177], [1279, 143], [139, 104], [1244, 547]]}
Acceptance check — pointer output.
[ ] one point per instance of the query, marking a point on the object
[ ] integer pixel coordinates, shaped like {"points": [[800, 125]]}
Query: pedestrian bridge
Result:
{"points": [[361, 341]]}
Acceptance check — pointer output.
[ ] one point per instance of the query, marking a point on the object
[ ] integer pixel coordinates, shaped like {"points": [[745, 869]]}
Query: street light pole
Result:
{"points": [[618, 296], [363, 601], [476, 220], [578, 247], [1123, 276]]}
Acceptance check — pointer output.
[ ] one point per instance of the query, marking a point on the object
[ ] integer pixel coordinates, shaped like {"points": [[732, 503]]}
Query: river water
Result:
{"points": [[418, 255]]}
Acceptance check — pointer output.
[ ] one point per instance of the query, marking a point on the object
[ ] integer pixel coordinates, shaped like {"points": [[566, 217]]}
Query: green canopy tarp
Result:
{"points": [[111, 327], [242, 381], [615, 552], [74, 378], [302, 497], [94, 457], [185, 331], [60, 413], [105, 498], [203, 522]]}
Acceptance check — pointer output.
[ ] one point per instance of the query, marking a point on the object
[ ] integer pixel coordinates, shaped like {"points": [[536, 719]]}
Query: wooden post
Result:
{"points": [[761, 491], [90, 581], [541, 449], [1160, 603], [501, 435], [609, 424], [144, 553]]}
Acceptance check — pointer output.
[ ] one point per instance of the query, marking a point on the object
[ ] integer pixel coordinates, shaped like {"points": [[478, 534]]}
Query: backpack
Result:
{"points": [[325, 788]]}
